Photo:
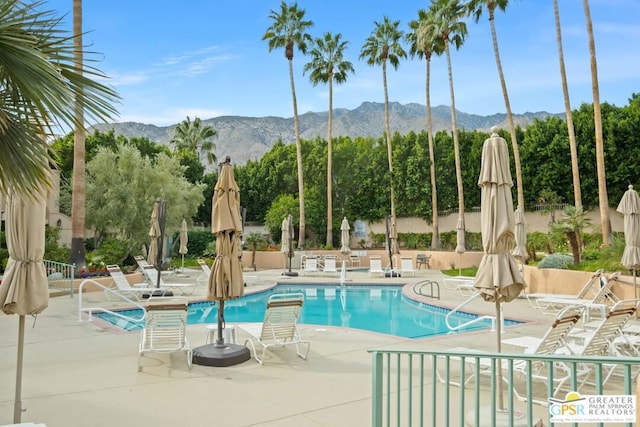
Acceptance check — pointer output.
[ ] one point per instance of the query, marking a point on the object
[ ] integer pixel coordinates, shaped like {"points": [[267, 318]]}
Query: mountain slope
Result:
{"points": [[248, 138]]}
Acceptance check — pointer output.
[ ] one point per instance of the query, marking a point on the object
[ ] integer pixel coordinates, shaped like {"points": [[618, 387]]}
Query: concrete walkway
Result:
{"points": [[80, 373]]}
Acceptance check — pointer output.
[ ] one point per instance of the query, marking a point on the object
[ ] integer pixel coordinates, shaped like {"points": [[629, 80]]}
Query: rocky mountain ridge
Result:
{"points": [[248, 138]]}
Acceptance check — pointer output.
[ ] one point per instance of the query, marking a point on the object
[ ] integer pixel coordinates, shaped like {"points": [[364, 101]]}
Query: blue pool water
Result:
{"points": [[373, 308]]}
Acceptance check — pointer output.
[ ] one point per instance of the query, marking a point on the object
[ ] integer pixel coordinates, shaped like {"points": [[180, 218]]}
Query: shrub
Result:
{"points": [[561, 261]]}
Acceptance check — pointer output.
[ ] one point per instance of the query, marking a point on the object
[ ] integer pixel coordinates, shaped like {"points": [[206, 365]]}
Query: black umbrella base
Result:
{"points": [[290, 273], [158, 293], [392, 273], [220, 355]]}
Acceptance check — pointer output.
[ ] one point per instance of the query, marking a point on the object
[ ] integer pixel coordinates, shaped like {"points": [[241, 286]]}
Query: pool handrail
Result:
{"points": [[472, 321], [107, 289]]}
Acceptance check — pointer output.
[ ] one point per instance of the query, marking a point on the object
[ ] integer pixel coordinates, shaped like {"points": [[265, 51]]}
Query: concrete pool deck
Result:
{"points": [[81, 373]]}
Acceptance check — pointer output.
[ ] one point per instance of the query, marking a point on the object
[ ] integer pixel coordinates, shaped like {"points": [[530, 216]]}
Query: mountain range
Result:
{"points": [[248, 138]]}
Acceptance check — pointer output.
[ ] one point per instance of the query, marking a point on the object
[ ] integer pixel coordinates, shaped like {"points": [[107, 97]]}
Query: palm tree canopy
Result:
{"points": [[475, 7], [424, 39], [327, 60], [194, 137], [288, 29], [384, 43], [39, 89], [448, 16]]}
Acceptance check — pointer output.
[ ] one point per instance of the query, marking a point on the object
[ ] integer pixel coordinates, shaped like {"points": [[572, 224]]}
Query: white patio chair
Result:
{"points": [[165, 330], [279, 327]]}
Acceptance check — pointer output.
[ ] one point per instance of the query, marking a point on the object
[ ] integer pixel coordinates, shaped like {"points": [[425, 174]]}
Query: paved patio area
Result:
{"points": [[80, 373]]}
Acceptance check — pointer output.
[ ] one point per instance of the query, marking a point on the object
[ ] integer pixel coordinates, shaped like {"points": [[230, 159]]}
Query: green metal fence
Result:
{"points": [[60, 275], [423, 388]]}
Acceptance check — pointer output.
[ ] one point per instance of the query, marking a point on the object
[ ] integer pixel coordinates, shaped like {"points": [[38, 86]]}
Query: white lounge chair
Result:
{"points": [[536, 299], [142, 263], [138, 291], [310, 267], [330, 266], [203, 278], [279, 327], [406, 266], [165, 330], [603, 295], [552, 341], [375, 265], [607, 339], [183, 288]]}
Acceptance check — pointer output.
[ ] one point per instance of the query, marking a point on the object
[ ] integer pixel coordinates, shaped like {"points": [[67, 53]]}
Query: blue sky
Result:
{"points": [[205, 58]]}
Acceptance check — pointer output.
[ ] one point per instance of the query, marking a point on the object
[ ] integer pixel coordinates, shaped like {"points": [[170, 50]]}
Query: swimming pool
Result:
{"points": [[373, 308]]}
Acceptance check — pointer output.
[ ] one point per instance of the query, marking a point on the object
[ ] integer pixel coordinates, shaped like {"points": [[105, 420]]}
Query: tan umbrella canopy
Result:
{"points": [[154, 234], [184, 240], [284, 237], [24, 290], [629, 206], [392, 239], [460, 240], [344, 236], [225, 281], [520, 251], [498, 278]]}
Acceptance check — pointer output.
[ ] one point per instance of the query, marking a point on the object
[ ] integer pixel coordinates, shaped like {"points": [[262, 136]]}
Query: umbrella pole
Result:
{"points": [[635, 289], [220, 340], [499, 335], [17, 405]]}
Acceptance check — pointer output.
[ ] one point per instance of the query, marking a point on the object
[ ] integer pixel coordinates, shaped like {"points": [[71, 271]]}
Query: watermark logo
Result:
{"points": [[593, 408]]}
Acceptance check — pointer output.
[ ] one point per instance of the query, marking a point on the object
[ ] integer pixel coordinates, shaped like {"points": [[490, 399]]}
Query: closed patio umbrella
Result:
{"points": [[392, 241], [24, 290], [629, 206], [184, 240], [154, 234], [226, 280], [520, 251], [344, 236], [498, 278], [284, 239]]}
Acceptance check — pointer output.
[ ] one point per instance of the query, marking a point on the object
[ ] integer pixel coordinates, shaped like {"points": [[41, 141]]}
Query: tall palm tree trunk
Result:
{"points": [[435, 233], [575, 171], [387, 131], [507, 105], [607, 238], [454, 130], [296, 128], [329, 168], [78, 188]]}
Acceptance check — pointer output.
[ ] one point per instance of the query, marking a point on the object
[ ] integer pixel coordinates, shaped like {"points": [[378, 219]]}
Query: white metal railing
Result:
{"points": [[109, 291], [470, 322]]}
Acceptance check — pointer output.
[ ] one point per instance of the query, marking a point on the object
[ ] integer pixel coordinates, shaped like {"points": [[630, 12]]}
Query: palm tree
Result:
{"points": [[288, 31], [195, 138], [475, 8], [384, 45], [424, 40], [79, 170], [577, 194], [326, 66], [447, 16], [572, 223], [607, 238], [41, 89]]}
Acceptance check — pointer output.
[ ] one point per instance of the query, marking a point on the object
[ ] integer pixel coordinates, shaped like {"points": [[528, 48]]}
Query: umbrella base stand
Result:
{"points": [[392, 273], [158, 293], [290, 273], [502, 418], [220, 355]]}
